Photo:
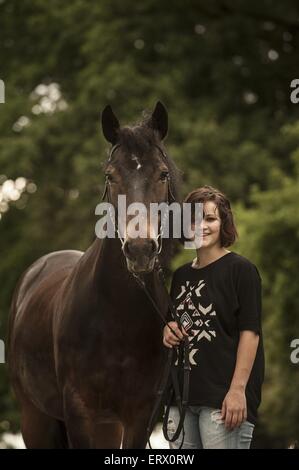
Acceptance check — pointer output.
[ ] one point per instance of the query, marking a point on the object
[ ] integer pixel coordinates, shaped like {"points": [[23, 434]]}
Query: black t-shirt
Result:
{"points": [[214, 304]]}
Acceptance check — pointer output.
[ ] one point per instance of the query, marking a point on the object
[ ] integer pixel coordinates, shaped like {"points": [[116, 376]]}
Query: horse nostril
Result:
{"points": [[133, 249]]}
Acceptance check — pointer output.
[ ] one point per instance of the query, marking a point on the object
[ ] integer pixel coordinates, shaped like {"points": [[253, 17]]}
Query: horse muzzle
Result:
{"points": [[140, 254]]}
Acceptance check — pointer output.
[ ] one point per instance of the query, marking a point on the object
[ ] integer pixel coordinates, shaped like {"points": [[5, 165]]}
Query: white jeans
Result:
{"points": [[204, 429]]}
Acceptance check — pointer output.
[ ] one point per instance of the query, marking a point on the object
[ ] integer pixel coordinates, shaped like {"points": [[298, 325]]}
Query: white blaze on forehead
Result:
{"points": [[137, 161]]}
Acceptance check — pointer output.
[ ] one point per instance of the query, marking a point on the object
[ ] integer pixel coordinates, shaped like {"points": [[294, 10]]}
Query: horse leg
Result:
{"points": [[108, 435], [40, 431], [135, 434], [93, 435], [86, 428]]}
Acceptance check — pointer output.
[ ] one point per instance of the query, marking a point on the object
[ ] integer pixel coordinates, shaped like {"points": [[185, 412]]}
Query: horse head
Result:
{"points": [[139, 169]]}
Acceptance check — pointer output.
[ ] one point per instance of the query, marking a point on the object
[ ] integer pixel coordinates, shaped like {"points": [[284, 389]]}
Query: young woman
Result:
{"points": [[217, 298]]}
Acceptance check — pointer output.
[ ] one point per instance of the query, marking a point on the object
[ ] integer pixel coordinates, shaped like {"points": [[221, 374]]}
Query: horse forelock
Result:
{"points": [[140, 140]]}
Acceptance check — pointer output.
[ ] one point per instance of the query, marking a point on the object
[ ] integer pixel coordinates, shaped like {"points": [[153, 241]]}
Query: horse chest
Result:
{"points": [[127, 381]]}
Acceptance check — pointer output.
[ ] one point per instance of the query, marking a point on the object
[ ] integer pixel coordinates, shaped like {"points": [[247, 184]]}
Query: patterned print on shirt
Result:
{"points": [[197, 319]]}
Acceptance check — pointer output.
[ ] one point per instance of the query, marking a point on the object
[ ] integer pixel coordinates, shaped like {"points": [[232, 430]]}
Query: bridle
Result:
{"points": [[170, 198], [169, 385]]}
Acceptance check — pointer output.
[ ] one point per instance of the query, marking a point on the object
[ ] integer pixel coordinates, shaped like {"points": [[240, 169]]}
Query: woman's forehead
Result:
{"points": [[210, 208]]}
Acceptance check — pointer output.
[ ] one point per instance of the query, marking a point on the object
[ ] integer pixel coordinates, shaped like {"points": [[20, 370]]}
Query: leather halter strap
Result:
{"points": [[169, 383]]}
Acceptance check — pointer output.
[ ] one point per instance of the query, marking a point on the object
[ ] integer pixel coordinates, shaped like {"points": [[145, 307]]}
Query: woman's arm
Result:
{"points": [[234, 407]]}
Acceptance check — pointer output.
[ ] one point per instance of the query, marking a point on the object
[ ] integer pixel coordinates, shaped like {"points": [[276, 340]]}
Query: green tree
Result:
{"points": [[224, 70]]}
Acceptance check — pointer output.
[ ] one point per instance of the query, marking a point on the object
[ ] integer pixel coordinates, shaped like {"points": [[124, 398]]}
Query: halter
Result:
{"points": [[169, 378], [170, 196], [158, 266]]}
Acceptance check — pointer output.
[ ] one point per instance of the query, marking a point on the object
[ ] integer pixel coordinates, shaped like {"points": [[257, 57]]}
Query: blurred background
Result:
{"points": [[223, 69]]}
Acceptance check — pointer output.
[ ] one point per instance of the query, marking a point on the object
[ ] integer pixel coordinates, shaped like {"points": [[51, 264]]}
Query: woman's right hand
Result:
{"points": [[169, 339]]}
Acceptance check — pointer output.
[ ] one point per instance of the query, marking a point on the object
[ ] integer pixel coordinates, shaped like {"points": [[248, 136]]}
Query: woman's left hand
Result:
{"points": [[234, 408]]}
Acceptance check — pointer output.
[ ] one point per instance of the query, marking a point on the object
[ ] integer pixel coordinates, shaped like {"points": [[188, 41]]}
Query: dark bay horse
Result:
{"points": [[85, 344]]}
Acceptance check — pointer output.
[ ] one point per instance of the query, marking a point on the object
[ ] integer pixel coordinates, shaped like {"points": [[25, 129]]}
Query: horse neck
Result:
{"points": [[109, 262], [109, 273]]}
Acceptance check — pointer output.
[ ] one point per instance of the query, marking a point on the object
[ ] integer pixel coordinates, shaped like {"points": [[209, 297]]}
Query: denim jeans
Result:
{"points": [[204, 429]]}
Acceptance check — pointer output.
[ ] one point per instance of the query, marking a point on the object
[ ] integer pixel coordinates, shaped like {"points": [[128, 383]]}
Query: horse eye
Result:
{"points": [[108, 177], [164, 175]]}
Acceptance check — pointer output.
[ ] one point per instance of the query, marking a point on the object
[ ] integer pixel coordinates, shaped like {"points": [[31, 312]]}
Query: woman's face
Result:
{"points": [[210, 225]]}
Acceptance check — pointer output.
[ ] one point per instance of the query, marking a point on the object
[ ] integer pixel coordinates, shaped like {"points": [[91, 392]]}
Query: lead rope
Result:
{"points": [[170, 382], [170, 378], [170, 375]]}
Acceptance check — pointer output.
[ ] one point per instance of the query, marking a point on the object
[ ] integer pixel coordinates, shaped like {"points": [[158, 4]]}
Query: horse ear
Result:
{"points": [[159, 120], [110, 125]]}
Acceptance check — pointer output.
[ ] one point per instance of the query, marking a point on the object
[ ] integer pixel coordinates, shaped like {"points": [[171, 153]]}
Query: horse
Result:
{"points": [[85, 348]]}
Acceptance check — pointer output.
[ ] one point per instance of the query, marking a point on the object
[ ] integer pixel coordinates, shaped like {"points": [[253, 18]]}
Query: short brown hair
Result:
{"points": [[228, 230]]}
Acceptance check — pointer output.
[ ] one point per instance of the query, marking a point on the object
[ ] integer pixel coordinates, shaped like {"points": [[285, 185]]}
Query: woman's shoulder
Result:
{"points": [[238, 264], [242, 265], [240, 260], [182, 269]]}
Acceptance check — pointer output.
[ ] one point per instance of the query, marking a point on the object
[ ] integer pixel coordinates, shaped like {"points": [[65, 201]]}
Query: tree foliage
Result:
{"points": [[224, 69]]}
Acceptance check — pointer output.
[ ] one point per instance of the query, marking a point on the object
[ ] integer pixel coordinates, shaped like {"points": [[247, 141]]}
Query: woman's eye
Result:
{"points": [[164, 175]]}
